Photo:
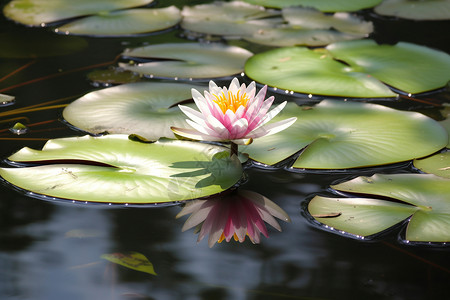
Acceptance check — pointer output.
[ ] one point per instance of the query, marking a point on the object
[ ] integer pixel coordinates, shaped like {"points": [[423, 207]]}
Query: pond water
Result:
{"points": [[52, 250]]}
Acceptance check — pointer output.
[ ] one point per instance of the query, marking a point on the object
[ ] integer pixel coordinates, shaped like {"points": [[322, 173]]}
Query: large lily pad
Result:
{"points": [[124, 22], [114, 169], [322, 5], [40, 12], [189, 60], [415, 10], [147, 109], [424, 196], [314, 19], [438, 164], [407, 67], [234, 18], [341, 135]]}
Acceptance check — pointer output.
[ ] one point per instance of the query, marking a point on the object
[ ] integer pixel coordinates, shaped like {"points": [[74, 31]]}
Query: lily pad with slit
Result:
{"points": [[359, 69], [188, 60], [41, 12], [342, 135], [415, 10], [115, 169], [322, 5], [438, 164], [387, 201], [124, 22], [234, 18], [147, 109]]}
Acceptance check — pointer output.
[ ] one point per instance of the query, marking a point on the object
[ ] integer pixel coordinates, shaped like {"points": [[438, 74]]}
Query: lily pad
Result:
{"points": [[189, 60], [115, 169], [438, 164], [446, 123], [234, 18], [124, 22], [312, 72], [352, 69], [314, 19], [147, 109], [41, 12], [342, 135], [322, 5], [424, 196], [6, 99], [415, 10], [285, 36], [405, 66]]}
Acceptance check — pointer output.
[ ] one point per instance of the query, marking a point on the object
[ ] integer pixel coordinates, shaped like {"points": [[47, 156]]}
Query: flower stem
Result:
{"points": [[233, 149]]}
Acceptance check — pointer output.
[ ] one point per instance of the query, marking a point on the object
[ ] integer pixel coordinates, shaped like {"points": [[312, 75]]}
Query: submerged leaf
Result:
{"points": [[114, 169], [132, 260], [341, 135], [438, 164], [426, 196]]}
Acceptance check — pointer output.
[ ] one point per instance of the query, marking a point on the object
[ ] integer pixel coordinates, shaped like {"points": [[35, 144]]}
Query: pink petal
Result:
{"points": [[269, 116], [194, 115], [198, 216], [271, 128], [218, 127], [239, 129], [200, 101], [194, 134]]}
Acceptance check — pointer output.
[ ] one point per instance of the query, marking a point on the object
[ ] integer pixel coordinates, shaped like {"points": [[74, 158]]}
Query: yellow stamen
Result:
{"points": [[231, 101]]}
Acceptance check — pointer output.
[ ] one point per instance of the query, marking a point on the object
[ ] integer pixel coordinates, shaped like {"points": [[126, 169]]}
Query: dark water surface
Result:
{"points": [[51, 250]]}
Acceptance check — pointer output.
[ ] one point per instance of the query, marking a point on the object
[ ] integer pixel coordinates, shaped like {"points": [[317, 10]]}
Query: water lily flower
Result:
{"points": [[237, 215], [233, 115]]}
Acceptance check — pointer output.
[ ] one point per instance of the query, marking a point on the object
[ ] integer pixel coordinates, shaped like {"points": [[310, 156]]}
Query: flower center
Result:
{"points": [[231, 101]]}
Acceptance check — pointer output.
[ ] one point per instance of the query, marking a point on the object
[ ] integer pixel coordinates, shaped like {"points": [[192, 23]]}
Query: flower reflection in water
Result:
{"points": [[236, 215]]}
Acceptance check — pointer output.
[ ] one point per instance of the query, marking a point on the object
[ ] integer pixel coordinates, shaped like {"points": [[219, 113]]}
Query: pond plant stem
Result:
{"points": [[233, 149]]}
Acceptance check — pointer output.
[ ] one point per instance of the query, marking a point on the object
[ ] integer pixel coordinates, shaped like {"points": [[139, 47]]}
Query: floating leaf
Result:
{"points": [[405, 66], [124, 22], [408, 67], [285, 36], [114, 169], [234, 18], [132, 260], [446, 123], [415, 10], [189, 60], [341, 135], [147, 109], [438, 164], [322, 5], [40, 12], [6, 100], [426, 196], [314, 19], [312, 72]]}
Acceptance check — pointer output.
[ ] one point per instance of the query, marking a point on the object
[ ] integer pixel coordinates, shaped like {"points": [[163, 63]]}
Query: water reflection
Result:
{"points": [[235, 215]]}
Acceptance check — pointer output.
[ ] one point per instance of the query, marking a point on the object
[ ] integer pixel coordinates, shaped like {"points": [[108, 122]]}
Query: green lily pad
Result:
{"points": [[405, 66], [342, 135], [147, 109], [124, 22], [188, 60], [322, 5], [314, 19], [424, 196], [312, 72], [286, 36], [41, 12], [438, 164], [446, 123], [415, 10], [115, 169], [6, 99], [230, 18]]}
